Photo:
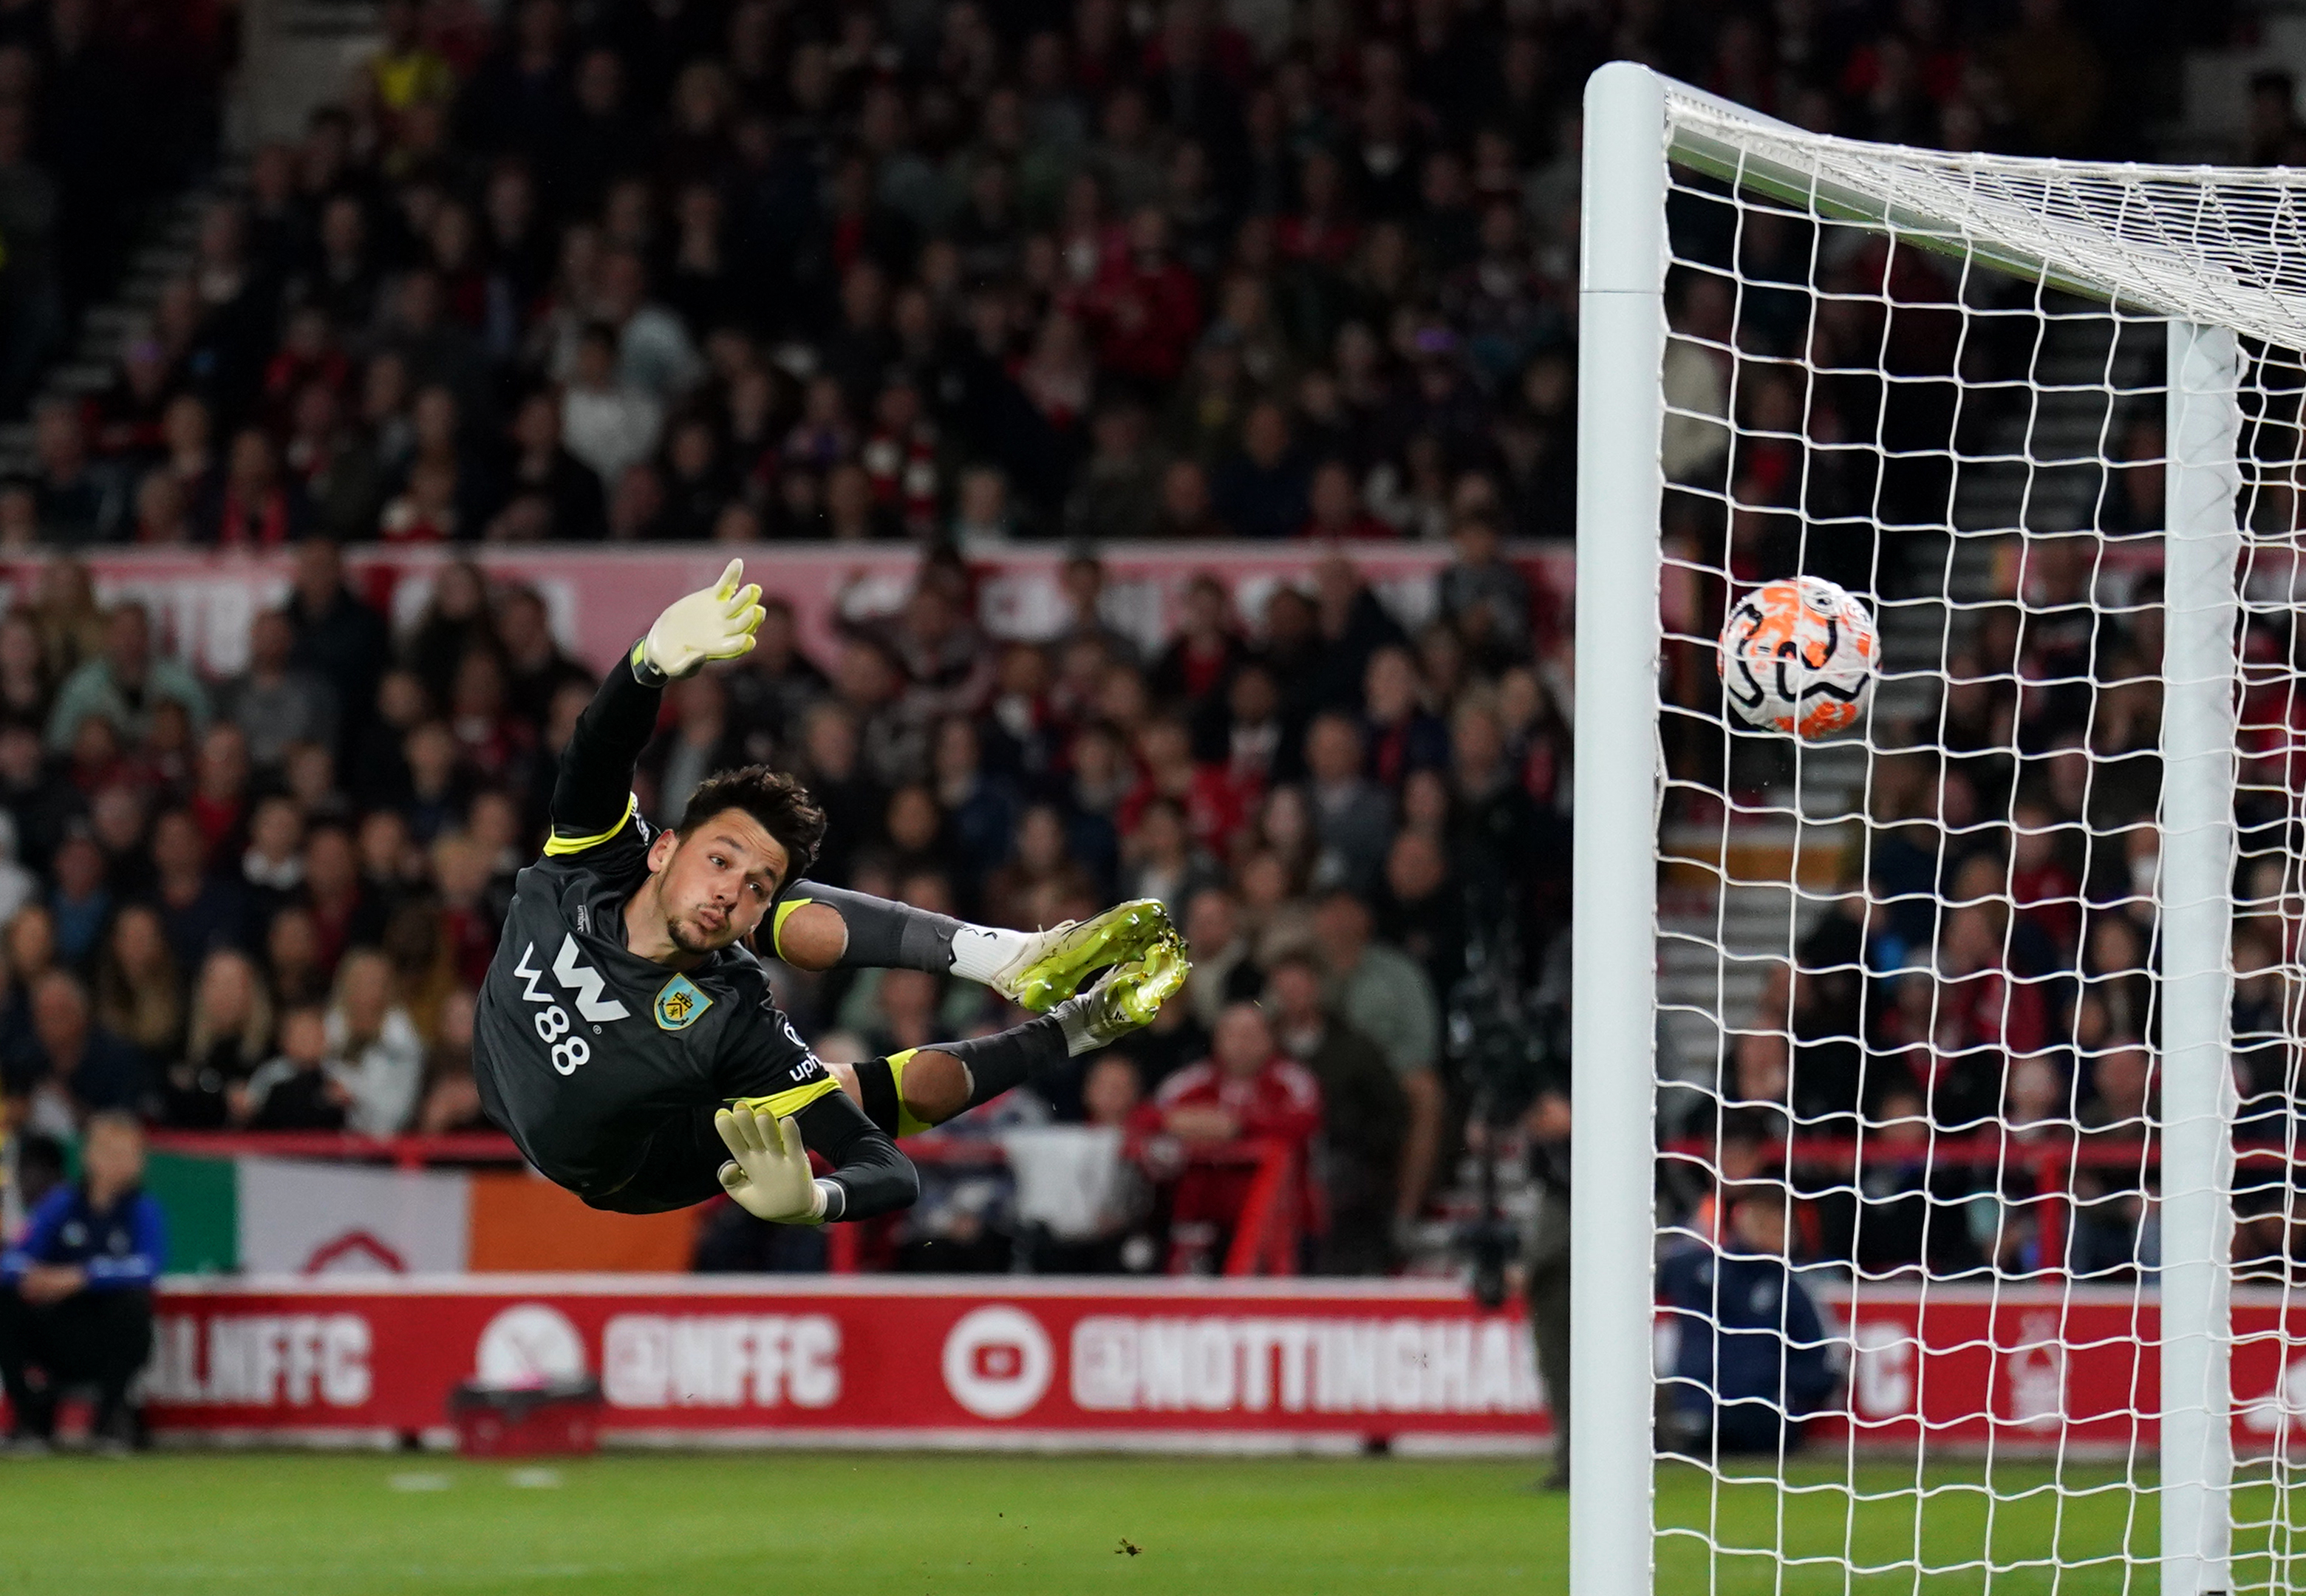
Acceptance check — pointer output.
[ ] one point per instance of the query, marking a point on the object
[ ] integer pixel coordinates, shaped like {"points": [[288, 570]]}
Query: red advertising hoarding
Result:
{"points": [[993, 1361], [803, 1358]]}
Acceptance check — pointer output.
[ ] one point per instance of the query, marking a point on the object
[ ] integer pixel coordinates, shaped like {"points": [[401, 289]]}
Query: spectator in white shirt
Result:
{"points": [[654, 351], [605, 421], [374, 1052]]}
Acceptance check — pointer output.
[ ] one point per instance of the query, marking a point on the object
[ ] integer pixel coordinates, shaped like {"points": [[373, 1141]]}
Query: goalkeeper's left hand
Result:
{"points": [[712, 623], [768, 1175]]}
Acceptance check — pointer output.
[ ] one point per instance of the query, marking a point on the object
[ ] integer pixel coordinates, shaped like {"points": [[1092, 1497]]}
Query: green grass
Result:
{"points": [[847, 1524]]}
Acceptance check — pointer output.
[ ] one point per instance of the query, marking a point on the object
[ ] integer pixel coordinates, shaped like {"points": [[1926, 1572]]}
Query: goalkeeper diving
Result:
{"points": [[627, 1039]]}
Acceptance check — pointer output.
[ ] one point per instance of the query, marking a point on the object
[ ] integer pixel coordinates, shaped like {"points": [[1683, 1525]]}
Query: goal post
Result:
{"points": [[1962, 981], [2201, 549], [1615, 800]]}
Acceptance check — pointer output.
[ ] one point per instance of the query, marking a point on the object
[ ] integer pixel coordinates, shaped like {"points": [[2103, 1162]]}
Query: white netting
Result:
{"points": [[1909, 1027]]}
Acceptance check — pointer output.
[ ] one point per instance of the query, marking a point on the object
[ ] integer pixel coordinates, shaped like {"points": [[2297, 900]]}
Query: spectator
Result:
{"points": [[1260, 492], [1080, 1204], [607, 425], [229, 1034], [293, 1090], [374, 1052], [1352, 814], [1208, 648], [703, 738], [343, 914], [1381, 993], [76, 1291], [1364, 1111], [1161, 860], [1246, 1090], [125, 683], [1546, 1263], [81, 904], [275, 702], [1116, 492], [1223, 969], [17, 884], [450, 1100], [78, 500], [257, 507], [1484, 596], [73, 1067], [543, 465], [139, 997], [337, 635]]}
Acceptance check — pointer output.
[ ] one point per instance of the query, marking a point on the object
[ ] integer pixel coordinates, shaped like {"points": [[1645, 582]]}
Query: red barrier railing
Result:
{"points": [[402, 1152], [1265, 1236]]}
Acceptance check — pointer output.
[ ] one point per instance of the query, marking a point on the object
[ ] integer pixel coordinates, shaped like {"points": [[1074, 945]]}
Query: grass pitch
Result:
{"points": [[849, 1525]]}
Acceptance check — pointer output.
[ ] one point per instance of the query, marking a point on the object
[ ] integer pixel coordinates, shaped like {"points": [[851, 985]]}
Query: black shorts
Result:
{"points": [[679, 1167]]}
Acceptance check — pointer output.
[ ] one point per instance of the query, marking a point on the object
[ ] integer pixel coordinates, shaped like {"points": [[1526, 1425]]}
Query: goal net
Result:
{"points": [[1937, 1081]]}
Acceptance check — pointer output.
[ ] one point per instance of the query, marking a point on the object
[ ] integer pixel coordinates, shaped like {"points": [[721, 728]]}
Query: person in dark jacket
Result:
{"points": [[76, 1290], [1363, 1120], [72, 1066], [1751, 1360]]}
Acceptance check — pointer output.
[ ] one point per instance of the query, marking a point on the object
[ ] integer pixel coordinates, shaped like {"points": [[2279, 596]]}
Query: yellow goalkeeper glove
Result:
{"points": [[712, 623], [767, 1174]]}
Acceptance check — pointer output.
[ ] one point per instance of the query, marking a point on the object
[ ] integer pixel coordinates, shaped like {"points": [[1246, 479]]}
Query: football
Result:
{"points": [[1799, 658]]}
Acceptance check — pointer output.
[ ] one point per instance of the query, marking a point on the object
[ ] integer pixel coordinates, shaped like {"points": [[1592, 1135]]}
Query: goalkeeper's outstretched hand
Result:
{"points": [[768, 1175], [712, 623]]}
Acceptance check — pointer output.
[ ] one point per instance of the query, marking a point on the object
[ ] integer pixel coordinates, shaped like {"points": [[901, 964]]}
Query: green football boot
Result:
{"points": [[1054, 963], [1125, 998]]}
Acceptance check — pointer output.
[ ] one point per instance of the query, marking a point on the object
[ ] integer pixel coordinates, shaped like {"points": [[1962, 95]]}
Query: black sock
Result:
{"points": [[882, 934], [996, 1063]]}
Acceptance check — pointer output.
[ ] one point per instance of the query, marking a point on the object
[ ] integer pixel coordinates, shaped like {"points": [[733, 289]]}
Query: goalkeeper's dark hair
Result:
{"points": [[778, 801]]}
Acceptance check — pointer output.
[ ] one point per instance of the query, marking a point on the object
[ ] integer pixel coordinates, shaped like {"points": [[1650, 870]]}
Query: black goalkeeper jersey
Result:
{"points": [[586, 1052], [590, 1047]]}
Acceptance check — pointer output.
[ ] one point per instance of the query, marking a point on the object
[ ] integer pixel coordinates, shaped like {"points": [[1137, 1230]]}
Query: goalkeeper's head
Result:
{"points": [[745, 835]]}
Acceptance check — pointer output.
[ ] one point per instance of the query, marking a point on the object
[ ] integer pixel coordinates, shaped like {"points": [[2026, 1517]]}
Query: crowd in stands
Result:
{"points": [[744, 268], [747, 269], [265, 902]]}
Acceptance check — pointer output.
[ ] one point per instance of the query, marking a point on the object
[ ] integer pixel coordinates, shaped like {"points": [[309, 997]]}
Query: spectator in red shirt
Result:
{"points": [[1212, 801], [1208, 648], [1986, 1017], [2041, 885], [1247, 1090], [1145, 308]]}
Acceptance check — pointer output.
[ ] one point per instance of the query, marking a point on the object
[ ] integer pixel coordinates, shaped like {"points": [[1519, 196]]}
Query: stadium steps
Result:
{"points": [[296, 55], [166, 252]]}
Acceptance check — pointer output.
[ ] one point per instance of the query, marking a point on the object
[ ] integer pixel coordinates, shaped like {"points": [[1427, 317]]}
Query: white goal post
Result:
{"points": [[1989, 496]]}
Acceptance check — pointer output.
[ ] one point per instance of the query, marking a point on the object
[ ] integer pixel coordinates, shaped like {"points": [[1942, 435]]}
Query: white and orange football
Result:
{"points": [[1799, 658]]}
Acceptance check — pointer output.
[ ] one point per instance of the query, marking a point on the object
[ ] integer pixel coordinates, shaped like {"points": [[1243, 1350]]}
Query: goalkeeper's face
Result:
{"points": [[716, 883]]}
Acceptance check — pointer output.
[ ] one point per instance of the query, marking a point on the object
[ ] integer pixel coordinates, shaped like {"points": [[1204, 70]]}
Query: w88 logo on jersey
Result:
{"points": [[554, 1027]]}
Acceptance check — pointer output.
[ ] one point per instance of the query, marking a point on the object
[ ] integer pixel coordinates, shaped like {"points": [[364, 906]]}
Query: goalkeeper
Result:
{"points": [[629, 1043]]}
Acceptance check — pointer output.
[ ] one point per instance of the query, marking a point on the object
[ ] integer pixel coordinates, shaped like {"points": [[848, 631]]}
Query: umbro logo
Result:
{"points": [[584, 919]]}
